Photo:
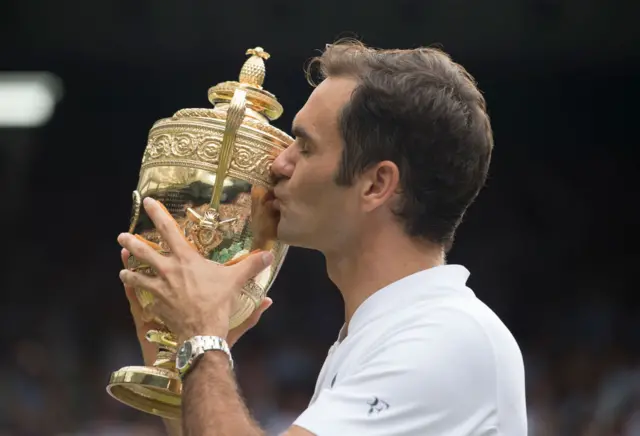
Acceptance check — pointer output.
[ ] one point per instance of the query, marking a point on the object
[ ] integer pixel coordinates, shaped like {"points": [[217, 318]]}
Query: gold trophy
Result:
{"points": [[210, 168]]}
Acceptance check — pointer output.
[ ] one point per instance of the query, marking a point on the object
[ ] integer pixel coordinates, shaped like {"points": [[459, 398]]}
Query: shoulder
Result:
{"points": [[448, 348], [453, 326], [442, 368], [439, 341]]}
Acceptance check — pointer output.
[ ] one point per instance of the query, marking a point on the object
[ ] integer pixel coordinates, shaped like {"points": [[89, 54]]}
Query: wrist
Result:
{"points": [[217, 360]]}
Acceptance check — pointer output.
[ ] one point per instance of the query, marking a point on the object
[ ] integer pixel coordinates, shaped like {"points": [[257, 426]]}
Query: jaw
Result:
{"points": [[293, 235]]}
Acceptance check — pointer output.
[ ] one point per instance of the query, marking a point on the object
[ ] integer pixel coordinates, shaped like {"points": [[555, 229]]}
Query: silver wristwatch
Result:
{"points": [[193, 348]]}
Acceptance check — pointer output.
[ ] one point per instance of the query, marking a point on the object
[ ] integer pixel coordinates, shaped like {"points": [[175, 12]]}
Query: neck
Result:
{"points": [[375, 262]]}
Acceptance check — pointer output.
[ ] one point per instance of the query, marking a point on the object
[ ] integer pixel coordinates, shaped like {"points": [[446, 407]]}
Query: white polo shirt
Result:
{"points": [[422, 357]]}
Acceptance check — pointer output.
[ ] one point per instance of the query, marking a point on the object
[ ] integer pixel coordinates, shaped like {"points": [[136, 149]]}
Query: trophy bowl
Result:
{"points": [[210, 168]]}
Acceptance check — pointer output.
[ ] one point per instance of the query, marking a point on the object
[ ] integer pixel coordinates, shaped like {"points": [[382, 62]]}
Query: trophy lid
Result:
{"points": [[207, 139], [262, 106], [250, 80]]}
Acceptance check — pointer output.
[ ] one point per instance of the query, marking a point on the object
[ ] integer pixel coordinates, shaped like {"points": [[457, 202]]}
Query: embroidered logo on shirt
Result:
{"points": [[377, 405]]}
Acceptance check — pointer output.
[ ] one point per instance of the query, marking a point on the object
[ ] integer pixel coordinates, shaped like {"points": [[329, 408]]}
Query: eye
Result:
{"points": [[302, 146]]}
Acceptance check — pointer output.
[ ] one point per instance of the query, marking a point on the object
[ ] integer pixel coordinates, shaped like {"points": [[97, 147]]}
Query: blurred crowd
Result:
{"points": [[548, 246], [583, 376]]}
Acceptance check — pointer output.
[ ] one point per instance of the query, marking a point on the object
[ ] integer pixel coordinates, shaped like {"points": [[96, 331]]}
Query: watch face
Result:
{"points": [[183, 355]]}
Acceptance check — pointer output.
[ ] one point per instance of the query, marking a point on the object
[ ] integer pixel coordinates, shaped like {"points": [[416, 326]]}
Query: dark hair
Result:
{"points": [[422, 111]]}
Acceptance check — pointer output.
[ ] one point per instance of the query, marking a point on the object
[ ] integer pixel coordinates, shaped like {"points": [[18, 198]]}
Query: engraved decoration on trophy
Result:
{"points": [[210, 168]]}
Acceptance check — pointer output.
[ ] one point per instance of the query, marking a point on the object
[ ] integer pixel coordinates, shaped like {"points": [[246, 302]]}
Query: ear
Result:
{"points": [[379, 184]]}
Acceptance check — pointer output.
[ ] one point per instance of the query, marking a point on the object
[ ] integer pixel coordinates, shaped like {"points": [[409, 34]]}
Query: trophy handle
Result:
{"points": [[164, 339], [235, 116], [135, 215]]}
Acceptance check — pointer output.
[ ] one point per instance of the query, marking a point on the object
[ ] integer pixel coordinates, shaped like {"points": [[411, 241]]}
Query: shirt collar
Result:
{"points": [[420, 286]]}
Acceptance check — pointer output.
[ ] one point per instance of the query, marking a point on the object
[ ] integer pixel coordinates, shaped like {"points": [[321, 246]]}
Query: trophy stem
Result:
{"points": [[153, 389], [167, 346], [166, 360]]}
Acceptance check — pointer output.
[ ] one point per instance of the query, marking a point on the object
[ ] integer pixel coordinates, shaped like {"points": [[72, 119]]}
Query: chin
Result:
{"points": [[293, 237], [283, 234]]}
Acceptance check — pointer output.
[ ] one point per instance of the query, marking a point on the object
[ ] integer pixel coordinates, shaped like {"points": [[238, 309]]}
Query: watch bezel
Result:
{"points": [[184, 355]]}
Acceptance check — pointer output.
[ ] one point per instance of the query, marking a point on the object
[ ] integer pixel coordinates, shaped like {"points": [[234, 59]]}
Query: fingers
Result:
{"points": [[266, 303], [239, 258], [136, 308], [150, 312], [252, 266], [124, 255], [255, 316], [151, 244], [167, 227], [142, 251], [143, 281], [143, 319], [264, 218], [249, 323]]}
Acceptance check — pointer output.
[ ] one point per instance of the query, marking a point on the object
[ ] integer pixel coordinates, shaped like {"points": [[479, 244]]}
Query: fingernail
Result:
{"points": [[149, 201], [267, 258], [122, 274]]}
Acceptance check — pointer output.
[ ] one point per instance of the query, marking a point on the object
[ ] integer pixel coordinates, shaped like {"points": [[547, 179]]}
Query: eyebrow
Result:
{"points": [[300, 132]]}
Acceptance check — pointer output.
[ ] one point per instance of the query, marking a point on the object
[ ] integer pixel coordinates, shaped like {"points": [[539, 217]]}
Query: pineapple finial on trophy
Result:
{"points": [[262, 103], [253, 70]]}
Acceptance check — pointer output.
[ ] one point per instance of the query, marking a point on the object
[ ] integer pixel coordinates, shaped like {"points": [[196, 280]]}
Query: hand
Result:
{"points": [[149, 349], [193, 295]]}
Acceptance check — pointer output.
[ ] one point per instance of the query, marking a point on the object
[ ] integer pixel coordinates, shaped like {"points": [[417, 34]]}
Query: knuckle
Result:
{"points": [[161, 226], [165, 269], [160, 270], [126, 276]]}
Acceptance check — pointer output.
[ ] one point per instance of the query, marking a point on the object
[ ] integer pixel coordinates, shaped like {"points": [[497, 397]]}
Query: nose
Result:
{"points": [[282, 167]]}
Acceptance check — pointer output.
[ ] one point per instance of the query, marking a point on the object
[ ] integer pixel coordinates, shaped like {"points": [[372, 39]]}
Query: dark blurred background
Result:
{"points": [[550, 243]]}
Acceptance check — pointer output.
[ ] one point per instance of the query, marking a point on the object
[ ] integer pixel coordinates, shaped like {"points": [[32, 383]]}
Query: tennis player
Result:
{"points": [[391, 148]]}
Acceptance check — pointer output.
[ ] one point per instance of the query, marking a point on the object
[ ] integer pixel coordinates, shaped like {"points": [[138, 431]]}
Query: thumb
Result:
{"points": [[253, 265]]}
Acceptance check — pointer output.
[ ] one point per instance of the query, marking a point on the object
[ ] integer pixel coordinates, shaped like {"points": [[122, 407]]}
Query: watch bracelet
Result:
{"points": [[202, 344]]}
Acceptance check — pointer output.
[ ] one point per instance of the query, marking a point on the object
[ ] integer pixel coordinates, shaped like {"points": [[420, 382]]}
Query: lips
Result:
{"points": [[270, 200], [276, 199]]}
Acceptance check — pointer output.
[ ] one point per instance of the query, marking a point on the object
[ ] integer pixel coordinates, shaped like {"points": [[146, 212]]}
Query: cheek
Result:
{"points": [[311, 182]]}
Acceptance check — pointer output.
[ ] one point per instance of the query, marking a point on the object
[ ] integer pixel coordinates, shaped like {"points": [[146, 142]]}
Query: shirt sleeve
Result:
{"points": [[426, 380]]}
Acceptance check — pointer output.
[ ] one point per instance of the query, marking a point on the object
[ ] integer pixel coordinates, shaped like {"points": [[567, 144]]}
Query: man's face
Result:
{"points": [[315, 212]]}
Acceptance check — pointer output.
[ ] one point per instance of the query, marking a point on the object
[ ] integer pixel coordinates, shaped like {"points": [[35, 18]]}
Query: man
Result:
{"points": [[391, 148]]}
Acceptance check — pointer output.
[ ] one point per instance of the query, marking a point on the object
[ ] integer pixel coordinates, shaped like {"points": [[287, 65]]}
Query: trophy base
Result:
{"points": [[149, 389]]}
